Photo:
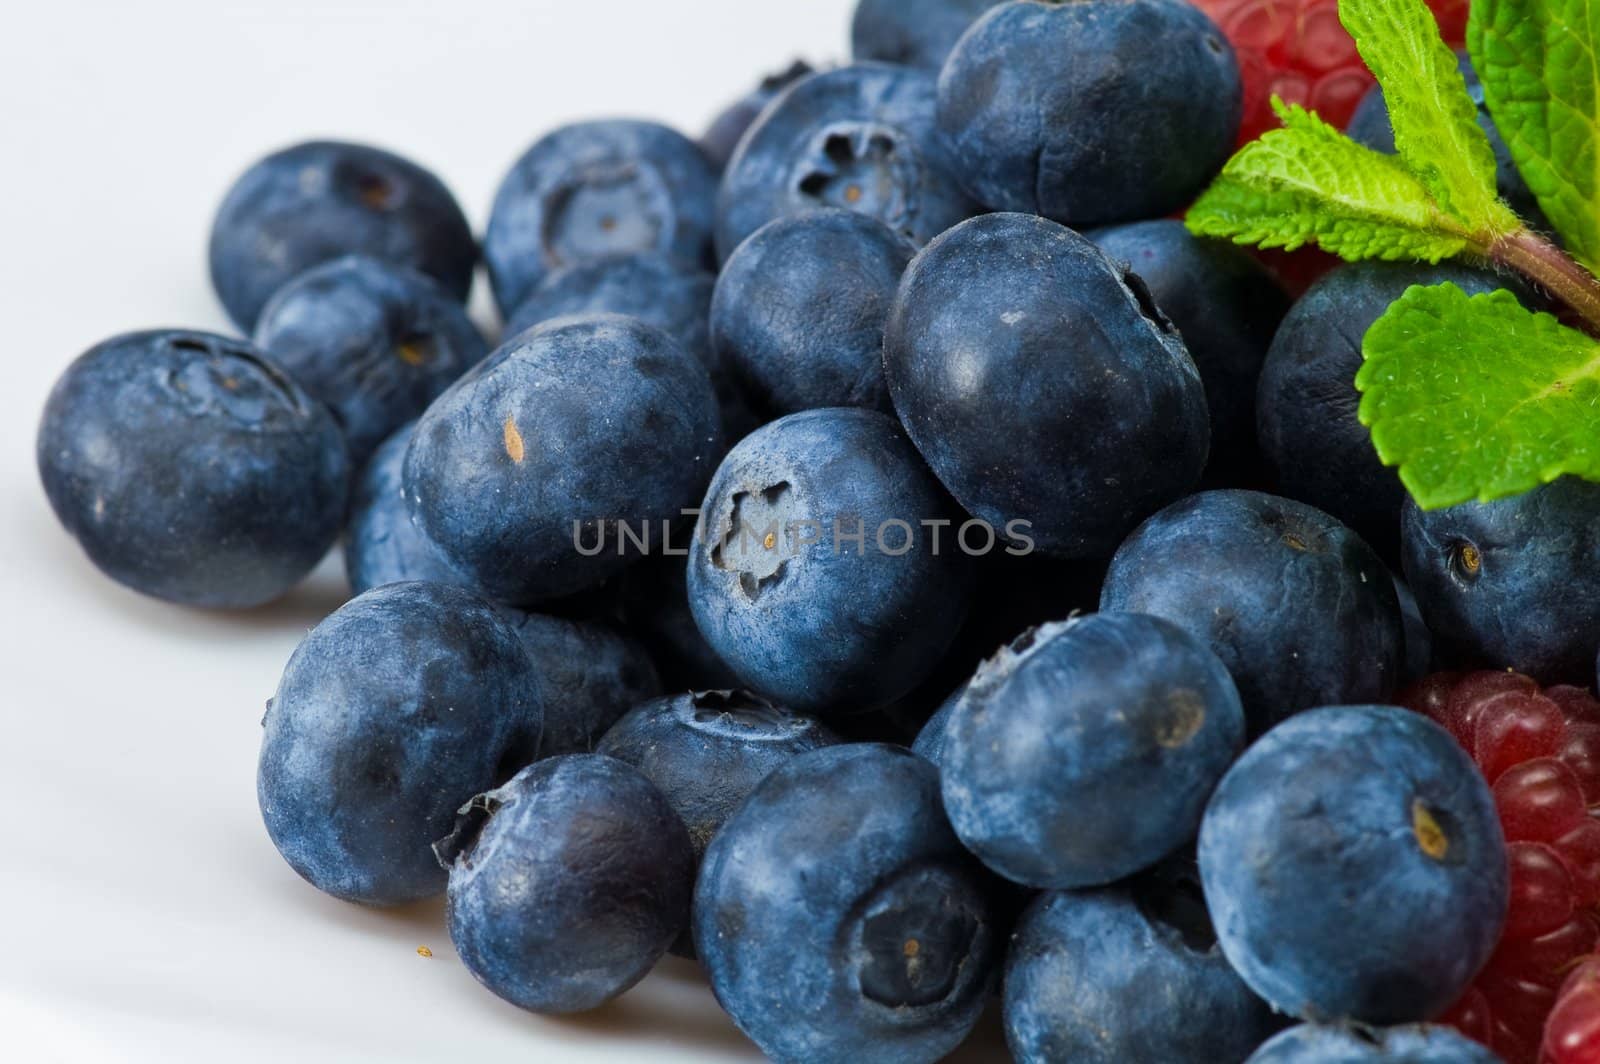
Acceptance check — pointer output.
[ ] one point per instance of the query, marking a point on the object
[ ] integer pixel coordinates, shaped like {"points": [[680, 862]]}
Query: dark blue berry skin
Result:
{"points": [[1306, 402], [655, 607], [1127, 973], [382, 545], [1227, 307], [1092, 112], [589, 674], [911, 34], [1346, 1044], [395, 710], [376, 343], [1297, 606], [1512, 584], [827, 625], [707, 751], [1086, 750], [930, 741], [838, 917], [572, 888], [594, 189], [799, 310], [190, 468], [1033, 378], [1354, 866], [722, 136], [581, 421], [1418, 639], [322, 200], [860, 137], [1370, 126]]}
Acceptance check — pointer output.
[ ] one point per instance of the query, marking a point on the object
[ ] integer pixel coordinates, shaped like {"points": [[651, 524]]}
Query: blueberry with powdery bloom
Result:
{"points": [[1091, 112], [719, 140], [860, 137], [382, 545], [838, 917], [400, 706], [799, 309], [783, 592], [917, 34], [565, 431], [376, 343], [192, 469], [322, 200], [1354, 1044], [567, 884], [594, 189]]}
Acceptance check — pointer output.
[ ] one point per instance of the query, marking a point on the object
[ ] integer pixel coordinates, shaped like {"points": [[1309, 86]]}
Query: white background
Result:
{"points": [[146, 915]]}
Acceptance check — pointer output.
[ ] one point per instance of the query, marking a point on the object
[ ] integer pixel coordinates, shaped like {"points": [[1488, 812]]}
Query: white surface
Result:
{"points": [[147, 917]]}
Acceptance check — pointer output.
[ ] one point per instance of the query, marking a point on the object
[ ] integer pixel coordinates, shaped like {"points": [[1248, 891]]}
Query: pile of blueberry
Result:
{"points": [[856, 570]]}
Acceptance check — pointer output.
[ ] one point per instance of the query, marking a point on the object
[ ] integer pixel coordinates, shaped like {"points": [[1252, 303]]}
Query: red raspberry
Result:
{"points": [[1540, 752]]}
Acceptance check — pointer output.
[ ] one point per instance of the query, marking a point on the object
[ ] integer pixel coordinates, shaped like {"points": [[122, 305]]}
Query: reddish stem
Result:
{"points": [[1553, 270]]}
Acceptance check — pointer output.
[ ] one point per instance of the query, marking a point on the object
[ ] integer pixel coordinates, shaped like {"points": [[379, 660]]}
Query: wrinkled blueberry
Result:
{"points": [[838, 917], [1354, 866], [190, 468], [322, 200], [725, 131], [917, 34]]}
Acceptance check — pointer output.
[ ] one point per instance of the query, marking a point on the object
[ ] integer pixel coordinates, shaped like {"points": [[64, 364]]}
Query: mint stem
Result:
{"points": [[1553, 270]]}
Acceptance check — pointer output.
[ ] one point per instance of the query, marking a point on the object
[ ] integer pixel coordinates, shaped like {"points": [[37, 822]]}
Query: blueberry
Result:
{"points": [[190, 468], [1370, 126], [594, 189], [799, 310], [655, 607], [912, 34], [1297, 606], [930, 741], [589, 674], [859, 137], [522, 471], [382, 545], [1306, 404], [1127, 973], [377, 343], [400, 706], [1354, 866], [1512, 584], [1042, 384], [1090, 112], [727, 128], [568, 883], [1350, 1044], [1418, 639], [322, 200], [707, 751], [814, 575], [1226, 305], [1086, 750], [838, 917]]}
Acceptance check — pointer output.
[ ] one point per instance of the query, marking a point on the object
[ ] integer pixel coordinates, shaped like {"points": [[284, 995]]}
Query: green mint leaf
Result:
{"points": [[1540, 77], [1436, 131], [1477, 397], [1310, 184]]}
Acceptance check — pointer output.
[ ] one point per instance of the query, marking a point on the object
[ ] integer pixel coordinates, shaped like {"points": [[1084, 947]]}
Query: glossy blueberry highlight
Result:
{"points": [[382, 545], [861, 138], [1226, 306], [1034, 375], [813, 576], [589, 675], [1351, 1044], [1514, 583], [394, 711], [1091, 112], [722, 136], [322, 200], [566, 430], [376, 343], [594, 189], [1086, 750], [838, 917], [190, 468], [799, 311], [1354, 866], [1298, 608], [568, 883], [911, 34], [1127, 973]]}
